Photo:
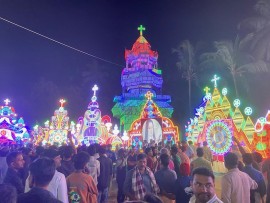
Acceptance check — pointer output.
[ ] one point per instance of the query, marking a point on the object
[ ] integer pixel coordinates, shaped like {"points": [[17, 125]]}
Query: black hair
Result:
{"points": [[25, 150], [147, 150], [67, 152], [141, 156], [80, 160], [230, 160], [102, 150], [42, 171], [174, 149], [247, 158], [40, 150], [199, 152], [11, 157], [257, 157], [91, 150], [165, 159], [202, 171], [151, 198], [8, 193]]}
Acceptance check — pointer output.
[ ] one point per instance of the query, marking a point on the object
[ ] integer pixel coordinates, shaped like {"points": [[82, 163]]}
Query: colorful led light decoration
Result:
{"points": [[219, 137], [262, 135], [12, 129], [152, 126], [140, 75], [217, 121]]}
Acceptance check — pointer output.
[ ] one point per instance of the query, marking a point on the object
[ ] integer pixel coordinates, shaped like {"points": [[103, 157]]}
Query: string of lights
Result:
{"points": [[61, 43]]}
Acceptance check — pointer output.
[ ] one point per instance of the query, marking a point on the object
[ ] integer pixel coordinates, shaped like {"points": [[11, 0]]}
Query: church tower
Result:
{"points": [[140, 75]]}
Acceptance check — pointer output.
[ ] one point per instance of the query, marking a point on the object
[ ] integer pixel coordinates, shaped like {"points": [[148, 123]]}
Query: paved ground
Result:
{"points": [[113, 189]]}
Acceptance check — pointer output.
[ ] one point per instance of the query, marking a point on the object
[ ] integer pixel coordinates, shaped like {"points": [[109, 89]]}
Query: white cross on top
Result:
{"points": [[95, 89], [214, 80], [6, 101]]}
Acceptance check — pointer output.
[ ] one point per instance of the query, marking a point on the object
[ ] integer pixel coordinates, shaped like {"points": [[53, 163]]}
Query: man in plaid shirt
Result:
{"points": [[140, 180]]}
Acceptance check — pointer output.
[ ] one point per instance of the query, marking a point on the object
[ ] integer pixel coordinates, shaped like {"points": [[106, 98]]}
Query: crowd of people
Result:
{"points": [[179, 173]]}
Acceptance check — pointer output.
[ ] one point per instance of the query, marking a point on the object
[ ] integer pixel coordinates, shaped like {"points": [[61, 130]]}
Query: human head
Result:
{"points": [[141, 161], [91, 150], [174, 150], [257, 157], [184, 143], [8, 193], [80, 160], [67, 152], [15, 160], [121, 153], [40, 151], [190, 142], [42, 171], [164, 151], [151, 198], [154, 150], [203, 184], [133, 149], [53, 154], [102, 151], [247, 158], [148, 151], [230, 160], [199, 151], [184, 148], [109, 147], [204, 143], [164, 160], [25, 150]]}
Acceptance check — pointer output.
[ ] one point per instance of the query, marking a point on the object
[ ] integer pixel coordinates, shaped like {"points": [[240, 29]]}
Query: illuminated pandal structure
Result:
{"points": [[54, 132], [12, 129], [152, 126], [217, 122], [93, 127], [262, 135], [140, 75]]}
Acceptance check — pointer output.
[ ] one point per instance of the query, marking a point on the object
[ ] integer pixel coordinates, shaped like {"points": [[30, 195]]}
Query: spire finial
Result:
{"points": [[141, 29], [6, 101], [214, 80], [206, 89], [149, 95], [94, 97], [62, 101]]}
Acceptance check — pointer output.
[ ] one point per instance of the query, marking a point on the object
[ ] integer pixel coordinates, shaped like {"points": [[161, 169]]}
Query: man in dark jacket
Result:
{"points": [[15, 162], [105, 176], [41, 173]]}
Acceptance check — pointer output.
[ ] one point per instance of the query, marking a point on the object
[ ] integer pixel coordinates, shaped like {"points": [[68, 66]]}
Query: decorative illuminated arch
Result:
{"points": [[151, 111]]}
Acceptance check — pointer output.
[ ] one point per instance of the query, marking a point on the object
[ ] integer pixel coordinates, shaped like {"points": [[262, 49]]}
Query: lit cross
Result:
{"points": [[214, 80], [206, 89], [141, 29], [95, 89], [149, 95], [62, 101], [6, 101]]}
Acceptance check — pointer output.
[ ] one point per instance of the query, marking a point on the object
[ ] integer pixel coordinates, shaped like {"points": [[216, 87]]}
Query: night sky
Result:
{"points": [[36, 73]]}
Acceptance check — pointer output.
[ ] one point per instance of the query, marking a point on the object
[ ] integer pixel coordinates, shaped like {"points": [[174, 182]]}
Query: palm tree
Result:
{"points": [[255, 32], [186, 64], [236, 61]]}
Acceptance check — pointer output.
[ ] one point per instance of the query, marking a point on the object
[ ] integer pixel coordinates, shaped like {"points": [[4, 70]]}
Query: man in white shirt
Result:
{"points": [[93, 165], [203, 186], [235, 184], [58, 184]]}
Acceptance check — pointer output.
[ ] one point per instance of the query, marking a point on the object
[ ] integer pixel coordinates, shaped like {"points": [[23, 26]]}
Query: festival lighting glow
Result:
{"points": [[12, 129], [216, 122]]}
